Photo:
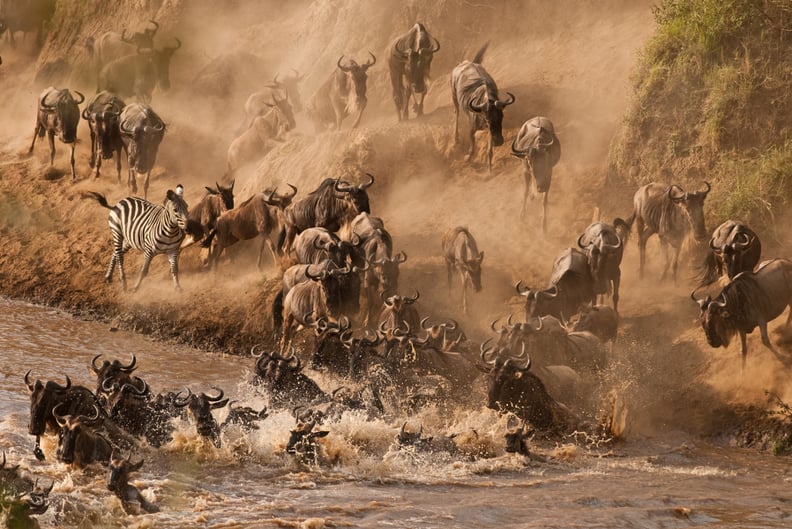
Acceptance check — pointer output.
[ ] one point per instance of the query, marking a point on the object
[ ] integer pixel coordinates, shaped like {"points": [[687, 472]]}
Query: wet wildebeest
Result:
{"points": [[475, 92], [258, 139], [283, 378], [17, 508], [734, 248], [142, 131], [332, 205], [571, 285], [303, 443], [604, 249], [255, 217], [461, 253], [203, 216], [283, 93], [75, 400], [399, 313], [115, 372], [118, 483], [58, 113], [600, 320], [752, 299], [539, 149], [244, 416], [26, 16], [79, 444], [409, 62], [343, 93], [200, 407], [151, 228], [112, 45], [134, 408], [102, 114], [376, 249], [671, 213], [137, 75]]}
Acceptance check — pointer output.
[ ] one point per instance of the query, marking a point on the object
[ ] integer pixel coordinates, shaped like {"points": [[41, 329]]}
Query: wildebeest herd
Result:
{"points": [[340, 275]]}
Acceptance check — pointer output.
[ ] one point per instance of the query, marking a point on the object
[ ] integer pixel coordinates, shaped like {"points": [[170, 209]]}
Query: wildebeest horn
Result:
{"points": [[156, 26], [95, 415], [580, 241], [93, 363], [610, 247], [27, 380], [473, 107], [540, 325], [451, 325], [318, 246], [343, 187], [367, 185], [412, 299], [520, 291], [387, 300], [315, 277], [253, 351], [672, 196], [107, 385], [423, 321], [82, 97], [370, 63], [436, 46], [485, 352], [550, 292], [401, 257], [124, 37], [294, 192], [217, 398], [702, 303], [85, 115], [709, 187], [519, 153], [342, 68], [509, 101], [59, 418], [738, 245], [182, 402], [131, 367], [138, 391], [178, 44], [292, 358]]}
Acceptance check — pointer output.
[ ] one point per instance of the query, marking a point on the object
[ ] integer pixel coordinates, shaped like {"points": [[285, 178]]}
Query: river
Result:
{"points": [[665, 481]]}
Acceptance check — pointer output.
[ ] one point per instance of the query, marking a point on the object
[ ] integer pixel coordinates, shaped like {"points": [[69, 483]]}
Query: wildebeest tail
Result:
{"points": [[708, 271], [480, 54], [281, 240], [96, 196], [277, 313], [207, 243], [623, 227]]}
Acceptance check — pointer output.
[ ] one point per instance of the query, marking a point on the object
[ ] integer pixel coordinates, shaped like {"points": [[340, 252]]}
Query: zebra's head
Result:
{"points": [[176, 206]]}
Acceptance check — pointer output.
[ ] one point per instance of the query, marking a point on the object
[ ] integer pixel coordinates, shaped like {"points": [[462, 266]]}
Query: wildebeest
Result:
{"points": [[734, 248], [202, 218], [332, 205], [283, 93], [114, 371], [283, 378], [200, 407], [752, 299], [600, 320], [75, 400], [138, 74], [475, 92], [102, 114], [671, 213], [79, 444], [539, 149], [255, 217], [603, 248], [314, 245], [142, 131], [571, 285], [399, 313], [58, 113], [257, 140], [244, 416], [343, 93], [26, 16], [409, 62], [112, 45], [461, 253], [118, 483], [376, 249], [137, 223], [303, 443]]}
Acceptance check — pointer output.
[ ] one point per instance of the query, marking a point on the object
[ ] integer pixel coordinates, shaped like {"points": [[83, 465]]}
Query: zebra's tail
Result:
{"points": [[96, 196]]}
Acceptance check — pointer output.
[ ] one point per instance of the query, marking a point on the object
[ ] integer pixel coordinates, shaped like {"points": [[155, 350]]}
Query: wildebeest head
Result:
{"points": [[120, 468], [303, 442], [356, 195], [736, 247], [538, 302], [418, 62], [280, 201], [693, 205], [387, 270], [161, 60], [516, 436], [491, 111], [176, 208], [602, 245], [357, 74], [102, 115], [715, 320], [115, 372], [539, 149], [226, 194], [290, 85], [43, 397], [142, 39], [399, 303], [72, 429], [437, 336], [200, 407], [147, 129], [472, 271], [64, 112], [280, 100], [415, 439], [360, 350]]}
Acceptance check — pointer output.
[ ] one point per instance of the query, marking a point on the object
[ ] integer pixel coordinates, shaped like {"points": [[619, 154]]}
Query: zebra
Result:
{"points": [[137, 223]]}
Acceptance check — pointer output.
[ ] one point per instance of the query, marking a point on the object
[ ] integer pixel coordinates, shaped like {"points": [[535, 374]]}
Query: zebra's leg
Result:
{"points": [[121, 273], [147, 256], [173, 258]]}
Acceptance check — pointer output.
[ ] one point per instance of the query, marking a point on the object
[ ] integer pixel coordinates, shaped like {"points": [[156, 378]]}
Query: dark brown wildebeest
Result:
{"points": [[137, 75], [102, 114], [409, 62], [382, 276], [461, 252], [200, 407], [752, 299], [26, 16], [118, 483], [115, 372], [399, 314], [283, 378], [112, 45], [58, 113], [303, 443], [255, 217], [257, 140], [671, 213], [475, 92], [203, 216], [332, 205], [142, 131], [734, 248], [539, 149], [244, 417], [600, 320], [151, 228], [78, 443], [604, 249], [343, 93], [571, 285]]}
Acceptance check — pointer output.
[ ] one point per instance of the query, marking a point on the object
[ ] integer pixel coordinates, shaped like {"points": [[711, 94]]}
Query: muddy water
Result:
{"points": [[673, 480]]}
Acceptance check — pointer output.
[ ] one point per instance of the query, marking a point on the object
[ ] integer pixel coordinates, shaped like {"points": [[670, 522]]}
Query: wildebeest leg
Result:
{"points": [[97, 164], [464, 292], [268, 242], [51, 139], [616, 281], [36, 132], [361, 108], [118, 165], [544, 212], [675, 263], [286, 334], [490, 148], [418, 107], [472, 138], [92, 162], [71, 161], [132, 180], [147, 256], [146, 184], [449, 270], [173, 258]]}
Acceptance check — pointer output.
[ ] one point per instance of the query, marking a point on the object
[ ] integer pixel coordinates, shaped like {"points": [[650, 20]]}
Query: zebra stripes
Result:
{"points": [[151, 228]]}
